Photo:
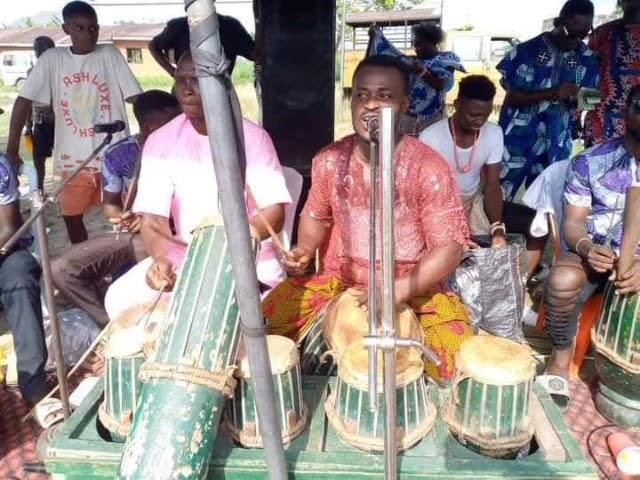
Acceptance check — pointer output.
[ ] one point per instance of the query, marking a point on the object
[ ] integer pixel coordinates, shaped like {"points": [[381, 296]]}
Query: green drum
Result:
{"points": [[316, 359], [121, 385], [241, 415], [616, 338], [188, 377], [488, 410], [347, 406]]}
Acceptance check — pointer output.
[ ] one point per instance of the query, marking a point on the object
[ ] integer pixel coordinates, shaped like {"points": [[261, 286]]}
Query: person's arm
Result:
{"points": [[274, 215], [161, 56], [111, 204], [19, 116], [156, 233], [435, 267], [433, 81], [523, 98], [9, 221], [493, 203]]}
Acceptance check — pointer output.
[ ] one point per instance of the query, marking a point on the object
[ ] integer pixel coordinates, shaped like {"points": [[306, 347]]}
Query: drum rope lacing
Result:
{"points": [[611, 355], [119, 428], [221, 381]]}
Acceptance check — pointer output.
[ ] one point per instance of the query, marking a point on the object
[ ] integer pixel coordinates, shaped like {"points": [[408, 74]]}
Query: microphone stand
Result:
{"points": [[36, 217]]}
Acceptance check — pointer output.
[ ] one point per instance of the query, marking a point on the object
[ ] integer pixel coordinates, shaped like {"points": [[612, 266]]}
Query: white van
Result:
{"points": [[14, 65]]}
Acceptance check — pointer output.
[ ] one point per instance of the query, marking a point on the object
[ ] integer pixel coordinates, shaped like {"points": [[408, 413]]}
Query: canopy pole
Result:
{"points": [[227, 148]]}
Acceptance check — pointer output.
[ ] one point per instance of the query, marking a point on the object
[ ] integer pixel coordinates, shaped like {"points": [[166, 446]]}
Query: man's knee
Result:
{"points": [[19, 270]]}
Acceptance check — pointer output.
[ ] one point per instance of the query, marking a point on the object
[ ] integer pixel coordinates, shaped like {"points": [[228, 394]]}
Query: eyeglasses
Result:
{"points": [[574, 36]]}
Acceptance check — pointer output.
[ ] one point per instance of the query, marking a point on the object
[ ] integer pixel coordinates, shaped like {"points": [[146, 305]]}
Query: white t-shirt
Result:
{"points": [[177, 180], [83, 90], [488, 151]]}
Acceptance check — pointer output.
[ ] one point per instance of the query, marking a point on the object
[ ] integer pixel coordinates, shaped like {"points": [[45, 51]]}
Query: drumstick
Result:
{"points": [[631, 232], [265, 221], [127, 200], [80, 361]]}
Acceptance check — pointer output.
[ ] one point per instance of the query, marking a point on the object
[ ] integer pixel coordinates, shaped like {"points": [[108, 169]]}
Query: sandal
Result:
{"points": [[49, 412], [558, 389]]}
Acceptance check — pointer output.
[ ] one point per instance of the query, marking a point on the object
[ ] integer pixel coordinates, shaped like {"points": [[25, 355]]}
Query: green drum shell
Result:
{"points": [[178, 416], [121, 393], [315, 360], [490, 419], [616, 338], [347, 409], [241, 415]]}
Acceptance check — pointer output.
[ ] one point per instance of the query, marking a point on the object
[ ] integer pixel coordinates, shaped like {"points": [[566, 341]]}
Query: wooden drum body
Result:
{"points": [[241, 415], [189, 376], [488, 410], [616, 338], [347, 406]]}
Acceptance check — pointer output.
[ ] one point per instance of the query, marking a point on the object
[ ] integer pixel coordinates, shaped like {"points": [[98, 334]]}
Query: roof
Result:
{"points": [[24, 37], [392, 17]]}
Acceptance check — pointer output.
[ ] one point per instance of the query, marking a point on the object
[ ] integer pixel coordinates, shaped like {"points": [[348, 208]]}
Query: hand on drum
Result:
{"points": [[161, 275], [628, 282], [297, 262], [498, 241], [601, 259]]}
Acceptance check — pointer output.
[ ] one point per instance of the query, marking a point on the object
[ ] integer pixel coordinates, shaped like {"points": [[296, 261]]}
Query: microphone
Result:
{"points": [[373, 126], [112, 127]]}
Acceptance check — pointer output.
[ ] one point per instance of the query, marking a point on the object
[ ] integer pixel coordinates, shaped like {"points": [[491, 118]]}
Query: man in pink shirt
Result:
{"points": [[177, 181]]}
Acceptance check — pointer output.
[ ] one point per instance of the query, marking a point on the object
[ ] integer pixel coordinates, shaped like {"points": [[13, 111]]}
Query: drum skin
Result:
{"points": [[188, 377], [616, 338], [488, 409]]}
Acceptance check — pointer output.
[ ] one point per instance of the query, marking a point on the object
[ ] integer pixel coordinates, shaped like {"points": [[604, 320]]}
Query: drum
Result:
{"points": [[616, 338], [347, 406], [342, 323], [124, 356], [488, 410], [189, 376], [241, 415]]}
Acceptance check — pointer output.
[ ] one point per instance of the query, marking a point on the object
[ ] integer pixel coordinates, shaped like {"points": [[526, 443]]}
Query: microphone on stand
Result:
{"points": [[112, 127], [373, 126]]}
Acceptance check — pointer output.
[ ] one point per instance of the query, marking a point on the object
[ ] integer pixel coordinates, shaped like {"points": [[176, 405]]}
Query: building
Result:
{"points": [[130, 40]]}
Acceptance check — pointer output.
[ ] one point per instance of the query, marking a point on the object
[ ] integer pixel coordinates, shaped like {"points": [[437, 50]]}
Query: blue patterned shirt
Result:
{"points": [[598, 179], [120, 163], [535, 136], [426, 101]]}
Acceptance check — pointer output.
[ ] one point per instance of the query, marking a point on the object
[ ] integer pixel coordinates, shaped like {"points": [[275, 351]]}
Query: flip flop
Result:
{"points": [[558, 389], [49, 412]]}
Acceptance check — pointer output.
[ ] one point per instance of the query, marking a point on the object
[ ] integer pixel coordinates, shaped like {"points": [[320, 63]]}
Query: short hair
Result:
{"points": [[45, 42], [429, 32], [477, 87], [77, 7], [385, 61], [153, 101], [577, 7], [635, 90]]}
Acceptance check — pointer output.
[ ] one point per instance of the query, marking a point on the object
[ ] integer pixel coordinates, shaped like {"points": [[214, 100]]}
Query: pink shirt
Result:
{"points": [[177, 179]]}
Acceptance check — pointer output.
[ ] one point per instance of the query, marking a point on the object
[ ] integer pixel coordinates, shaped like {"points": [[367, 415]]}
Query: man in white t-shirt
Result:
{"points": [[85, 84], [473, 147], [177, 181]]}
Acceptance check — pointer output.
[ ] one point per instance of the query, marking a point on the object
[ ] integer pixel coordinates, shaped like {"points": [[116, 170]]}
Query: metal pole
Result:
{"points": [[387, 151], [226, 140], [373, 283], [56, 343], [52, 198]]}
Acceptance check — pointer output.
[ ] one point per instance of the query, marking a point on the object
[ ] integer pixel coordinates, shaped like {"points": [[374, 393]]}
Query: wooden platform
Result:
{"points": [[80, 453]]}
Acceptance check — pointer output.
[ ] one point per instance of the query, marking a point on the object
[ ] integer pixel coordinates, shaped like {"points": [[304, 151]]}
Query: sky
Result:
{"points": [[522, 17]]}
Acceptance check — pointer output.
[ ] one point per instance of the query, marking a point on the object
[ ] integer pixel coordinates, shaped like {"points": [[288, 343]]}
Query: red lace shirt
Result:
{"points": [[428, 208]]}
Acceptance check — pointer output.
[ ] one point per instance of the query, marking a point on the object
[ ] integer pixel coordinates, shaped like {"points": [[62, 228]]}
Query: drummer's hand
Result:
{"points": [[629, 282], [161, 275], [601, 259], [498, 240], [297, 262], [127, 222]]}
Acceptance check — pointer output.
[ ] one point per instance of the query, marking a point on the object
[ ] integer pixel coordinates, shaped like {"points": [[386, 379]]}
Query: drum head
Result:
{"points": [[495, 360], [283, 355], [125, 342], [345, 322], [354, 365]]}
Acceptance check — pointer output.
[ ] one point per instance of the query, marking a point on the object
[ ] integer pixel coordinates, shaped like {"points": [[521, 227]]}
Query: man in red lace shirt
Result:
{"points": [[430, 224]]}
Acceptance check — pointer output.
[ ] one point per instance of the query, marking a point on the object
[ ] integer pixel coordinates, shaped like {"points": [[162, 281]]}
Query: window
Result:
{"points": [[8, 60], [468, 48], [499, 48], [134, 55]]}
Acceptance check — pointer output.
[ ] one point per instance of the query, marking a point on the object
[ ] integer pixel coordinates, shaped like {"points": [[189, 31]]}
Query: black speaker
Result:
{"points": [[298, 77]]}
